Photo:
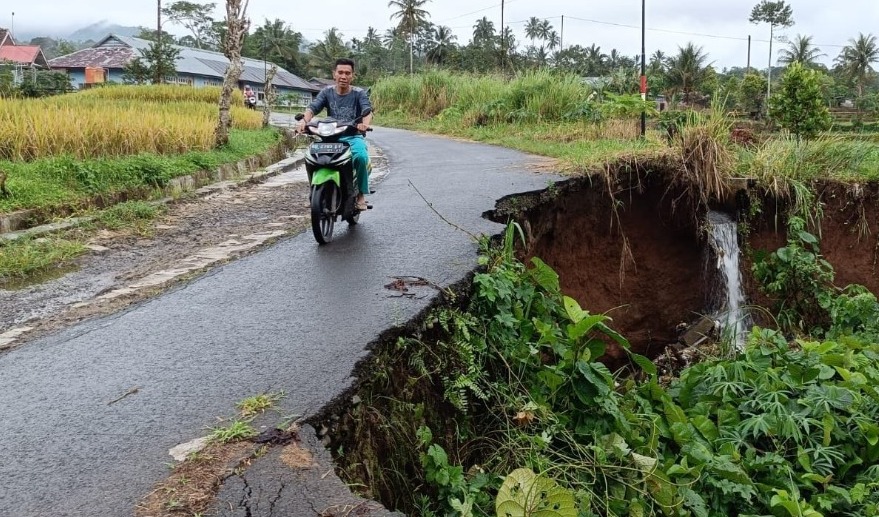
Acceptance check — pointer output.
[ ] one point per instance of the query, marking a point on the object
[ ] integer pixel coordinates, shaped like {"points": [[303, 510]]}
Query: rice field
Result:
{"points": [[115, 121]]}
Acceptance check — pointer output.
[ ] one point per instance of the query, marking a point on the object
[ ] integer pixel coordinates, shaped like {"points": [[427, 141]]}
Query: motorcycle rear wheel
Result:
{"points": [[324, 202]]}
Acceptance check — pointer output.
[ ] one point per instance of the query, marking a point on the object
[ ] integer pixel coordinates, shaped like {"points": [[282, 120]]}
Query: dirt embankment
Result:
{"points": [[641, 255], [849, 233]]}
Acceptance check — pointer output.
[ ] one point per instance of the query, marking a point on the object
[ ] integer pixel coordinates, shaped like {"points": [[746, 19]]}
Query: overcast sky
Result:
{"points": [[721, 27]]}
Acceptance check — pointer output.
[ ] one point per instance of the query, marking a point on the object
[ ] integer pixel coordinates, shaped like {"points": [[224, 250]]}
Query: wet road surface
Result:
{"points": [[294, 318]]}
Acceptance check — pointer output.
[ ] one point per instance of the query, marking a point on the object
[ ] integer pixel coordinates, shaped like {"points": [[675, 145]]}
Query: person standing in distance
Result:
{"points": [[347, 103]]}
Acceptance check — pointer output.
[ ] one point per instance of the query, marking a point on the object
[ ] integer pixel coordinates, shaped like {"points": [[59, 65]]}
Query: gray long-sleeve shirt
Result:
{"points": [[346, 108]]}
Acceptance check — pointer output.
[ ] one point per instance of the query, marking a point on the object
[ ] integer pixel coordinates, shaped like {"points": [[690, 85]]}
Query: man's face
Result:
{"points": [[343, 75]]}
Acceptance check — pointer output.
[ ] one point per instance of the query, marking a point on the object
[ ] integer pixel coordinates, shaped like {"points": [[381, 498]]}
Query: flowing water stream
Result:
{"points": [[732, 313]]}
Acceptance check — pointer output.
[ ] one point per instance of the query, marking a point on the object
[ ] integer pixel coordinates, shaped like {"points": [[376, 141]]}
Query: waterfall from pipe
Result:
{"points": [[733, 316]]}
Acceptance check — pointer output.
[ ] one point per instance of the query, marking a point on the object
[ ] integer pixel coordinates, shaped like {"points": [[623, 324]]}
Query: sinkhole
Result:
{"points": [[633, 245]]}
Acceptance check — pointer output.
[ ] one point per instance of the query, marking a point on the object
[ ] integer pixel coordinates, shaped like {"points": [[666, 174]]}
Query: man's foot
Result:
{"points": [[361, 203]]}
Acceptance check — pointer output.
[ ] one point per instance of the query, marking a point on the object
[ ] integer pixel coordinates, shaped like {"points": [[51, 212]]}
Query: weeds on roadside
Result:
{"points": [[258, 403], [237, 430], [136, 216], [25, 257]]}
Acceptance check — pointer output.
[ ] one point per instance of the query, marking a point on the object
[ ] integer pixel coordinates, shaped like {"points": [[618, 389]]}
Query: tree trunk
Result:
{"points": [[236, 29], [269, 97]]}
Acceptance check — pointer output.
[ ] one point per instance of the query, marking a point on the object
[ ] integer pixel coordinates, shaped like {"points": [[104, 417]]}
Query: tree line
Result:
{"points": [[413, 43]]}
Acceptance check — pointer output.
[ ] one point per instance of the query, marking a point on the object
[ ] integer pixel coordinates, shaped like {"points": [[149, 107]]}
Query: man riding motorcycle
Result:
{"points": [[347, 103]]}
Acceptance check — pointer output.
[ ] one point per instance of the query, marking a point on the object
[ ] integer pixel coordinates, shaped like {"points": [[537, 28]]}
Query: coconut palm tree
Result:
{"points": [[325, 52], [595, 60], [687, 70], [801, 50], [532, 29], [410, 15], [441, 45], [553, 40], [483, 32], [857, 58], [276, 42], [658, 61]]}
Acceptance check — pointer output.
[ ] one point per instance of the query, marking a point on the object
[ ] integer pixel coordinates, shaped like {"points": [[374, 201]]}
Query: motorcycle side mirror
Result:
{"points": [[299, 116]]}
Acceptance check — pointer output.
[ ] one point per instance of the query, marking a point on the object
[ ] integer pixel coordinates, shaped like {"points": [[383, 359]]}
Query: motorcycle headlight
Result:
{"points": [[326, 128]]}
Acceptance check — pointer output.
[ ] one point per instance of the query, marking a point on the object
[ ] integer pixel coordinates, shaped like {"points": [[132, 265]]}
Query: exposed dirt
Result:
{"points": [[193, 484], [849, 235], [636, 256], [641, 256], [125, 267]]}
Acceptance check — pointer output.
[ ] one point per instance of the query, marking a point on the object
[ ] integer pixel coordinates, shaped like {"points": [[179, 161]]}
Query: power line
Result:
{"points": [[587, 20], [686, 33], [508, 2]]}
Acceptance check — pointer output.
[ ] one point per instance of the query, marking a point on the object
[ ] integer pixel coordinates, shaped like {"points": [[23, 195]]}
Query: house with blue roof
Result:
{"points": [[106, 61]]}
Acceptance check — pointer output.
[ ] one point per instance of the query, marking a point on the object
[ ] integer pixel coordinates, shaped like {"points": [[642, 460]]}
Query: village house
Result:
{"points": [[20, 57], [106, 60]]}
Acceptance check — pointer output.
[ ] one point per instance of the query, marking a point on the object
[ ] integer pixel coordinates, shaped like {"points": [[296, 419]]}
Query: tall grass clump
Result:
{"points": [[784, 158], [535, 96], [120, 123], [703, 143]]}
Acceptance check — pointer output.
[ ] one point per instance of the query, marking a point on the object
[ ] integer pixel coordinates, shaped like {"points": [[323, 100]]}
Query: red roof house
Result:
{"points": [[30, 56]]}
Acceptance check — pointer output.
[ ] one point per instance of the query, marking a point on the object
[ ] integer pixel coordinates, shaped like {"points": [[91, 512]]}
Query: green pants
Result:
{"points": [[360, 159]]}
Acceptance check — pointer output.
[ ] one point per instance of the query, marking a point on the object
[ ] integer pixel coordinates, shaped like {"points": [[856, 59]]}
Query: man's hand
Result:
{"points": [[362, 127], [300, 127]]}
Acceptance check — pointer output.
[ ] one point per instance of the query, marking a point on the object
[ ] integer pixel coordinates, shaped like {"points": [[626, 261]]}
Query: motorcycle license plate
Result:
{"points": [[322, 147]]}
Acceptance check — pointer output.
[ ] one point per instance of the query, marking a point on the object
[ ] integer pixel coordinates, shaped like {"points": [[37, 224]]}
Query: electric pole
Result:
{"points": [[769, 71], [158, 63], [503, 40], [562, 38], [748, 70], [643, 66]]}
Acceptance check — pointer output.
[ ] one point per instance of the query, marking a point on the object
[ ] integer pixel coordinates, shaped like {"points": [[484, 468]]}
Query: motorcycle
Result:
{"points": [[330, 168], [250, 102]]}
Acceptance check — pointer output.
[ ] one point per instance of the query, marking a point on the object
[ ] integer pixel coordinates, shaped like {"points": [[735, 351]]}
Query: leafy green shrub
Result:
{"points": [[798, 105], [785, 429], [798, 279]]}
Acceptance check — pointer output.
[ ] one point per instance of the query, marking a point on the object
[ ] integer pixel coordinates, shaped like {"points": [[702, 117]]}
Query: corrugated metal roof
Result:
{"points": [[21, 54], [108, 53], [99, 57]]}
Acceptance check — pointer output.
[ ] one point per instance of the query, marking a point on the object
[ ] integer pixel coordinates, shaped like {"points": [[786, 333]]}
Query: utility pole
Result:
{"points": [[562, 38], [643, 66], [158, 64], [769, 70], [748, 70], [12, 27], [503, 40]]}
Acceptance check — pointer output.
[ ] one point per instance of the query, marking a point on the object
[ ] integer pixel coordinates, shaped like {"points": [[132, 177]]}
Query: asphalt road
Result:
{"points": [[294, 318]]}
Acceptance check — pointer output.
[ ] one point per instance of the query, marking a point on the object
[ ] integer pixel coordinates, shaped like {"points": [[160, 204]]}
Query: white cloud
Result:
{"points": [[831, 23]]}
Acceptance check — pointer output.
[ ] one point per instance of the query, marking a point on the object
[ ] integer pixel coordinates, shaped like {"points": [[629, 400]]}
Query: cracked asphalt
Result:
{"points": [[296, 318]]}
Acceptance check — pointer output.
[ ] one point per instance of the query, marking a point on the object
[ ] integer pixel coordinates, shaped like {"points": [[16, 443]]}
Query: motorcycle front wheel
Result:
{"points": [[324, 201]]}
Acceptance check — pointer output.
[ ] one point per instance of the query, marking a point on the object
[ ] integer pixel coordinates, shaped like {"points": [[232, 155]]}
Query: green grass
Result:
{"points": [[827, 157], [24, 258], [59, 181], [577, 145], [133, 215], [236, 431], [257, 404]]}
